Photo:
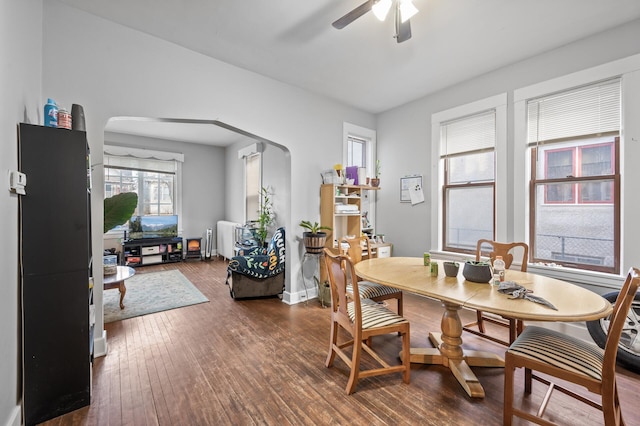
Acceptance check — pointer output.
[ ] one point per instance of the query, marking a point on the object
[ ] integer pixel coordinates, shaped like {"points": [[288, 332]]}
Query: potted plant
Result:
{"points": [[266, 216], [451, 268], [119, 209], [477, 271], [375, 182], [314, 238]]}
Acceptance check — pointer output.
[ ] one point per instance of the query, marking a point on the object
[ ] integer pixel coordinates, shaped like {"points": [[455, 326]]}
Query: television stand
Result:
{"points": [[151, 251]]}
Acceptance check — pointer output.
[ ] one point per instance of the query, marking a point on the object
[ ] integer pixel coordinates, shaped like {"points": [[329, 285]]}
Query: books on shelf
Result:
{"points": [[347, 208]]}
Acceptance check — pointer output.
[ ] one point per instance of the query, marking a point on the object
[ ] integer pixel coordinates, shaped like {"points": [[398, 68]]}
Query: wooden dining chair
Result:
{"points": [[359, 249], [492, 249], [361, 319], [571, 359]]}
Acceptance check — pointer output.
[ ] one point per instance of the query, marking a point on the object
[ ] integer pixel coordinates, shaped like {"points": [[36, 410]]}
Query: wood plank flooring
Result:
{"points": [[261, 362]]}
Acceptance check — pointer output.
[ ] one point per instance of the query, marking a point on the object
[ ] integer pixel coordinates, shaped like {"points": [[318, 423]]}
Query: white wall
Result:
{"points": [[407, 130], [20, 91], [115, 71]]}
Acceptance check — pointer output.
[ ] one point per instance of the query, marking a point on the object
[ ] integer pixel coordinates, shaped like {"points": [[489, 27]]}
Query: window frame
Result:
{"points": [[113, 151], [255, 159], [498, 103], [351, 139], [471, 184], [575, 181], [599, 94], [352, 131]]}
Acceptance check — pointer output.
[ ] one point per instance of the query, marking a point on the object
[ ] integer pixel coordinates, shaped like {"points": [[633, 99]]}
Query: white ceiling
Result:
{"points": [[362, 65], [192, 131]]}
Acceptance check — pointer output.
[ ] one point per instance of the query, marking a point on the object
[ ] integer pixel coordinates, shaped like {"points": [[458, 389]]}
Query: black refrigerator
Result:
{"points": [[55, 264]]}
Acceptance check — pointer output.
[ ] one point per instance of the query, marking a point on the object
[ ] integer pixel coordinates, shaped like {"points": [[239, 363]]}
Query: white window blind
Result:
{"points": [[587, 110], [141, 159], [472, 133]]}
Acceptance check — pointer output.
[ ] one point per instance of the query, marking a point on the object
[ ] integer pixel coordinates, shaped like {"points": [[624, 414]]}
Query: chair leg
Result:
{"points": [[406, 357], [513, 330], [333, 340], [611, 408], [528, 379], [355, 367], [509, 368], [400, 306], [480, 321]]}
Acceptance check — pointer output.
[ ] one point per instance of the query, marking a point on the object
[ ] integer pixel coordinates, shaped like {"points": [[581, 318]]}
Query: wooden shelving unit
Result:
{"points": [[342, 220]]}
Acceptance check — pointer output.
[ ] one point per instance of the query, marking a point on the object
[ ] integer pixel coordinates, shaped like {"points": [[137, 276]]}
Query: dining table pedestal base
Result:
{"points": [[448, 352]]}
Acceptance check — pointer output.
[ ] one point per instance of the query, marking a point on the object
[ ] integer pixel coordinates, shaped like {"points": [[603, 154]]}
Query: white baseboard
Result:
{"points": [[15, 417], [299, 296], [100, 345]]}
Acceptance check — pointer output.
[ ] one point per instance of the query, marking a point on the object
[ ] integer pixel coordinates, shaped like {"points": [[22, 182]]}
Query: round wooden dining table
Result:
{"points": [[573, 303]]}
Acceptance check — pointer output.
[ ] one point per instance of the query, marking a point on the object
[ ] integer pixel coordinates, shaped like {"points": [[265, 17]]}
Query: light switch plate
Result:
{"points": [[17, 182]]}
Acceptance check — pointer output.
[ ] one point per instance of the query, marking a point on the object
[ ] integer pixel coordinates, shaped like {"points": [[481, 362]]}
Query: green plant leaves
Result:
{"points": [[119, 209]]}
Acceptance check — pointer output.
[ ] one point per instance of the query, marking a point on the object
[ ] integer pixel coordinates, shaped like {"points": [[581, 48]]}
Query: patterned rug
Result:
{"points": [[149, 293]]}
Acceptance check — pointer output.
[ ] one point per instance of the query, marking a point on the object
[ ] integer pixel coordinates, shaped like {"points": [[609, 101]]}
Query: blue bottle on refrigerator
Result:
{"points": [[51, 113]]}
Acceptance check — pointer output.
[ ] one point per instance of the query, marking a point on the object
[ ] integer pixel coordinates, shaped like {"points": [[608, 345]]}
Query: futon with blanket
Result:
{"points": [[260, 272]]}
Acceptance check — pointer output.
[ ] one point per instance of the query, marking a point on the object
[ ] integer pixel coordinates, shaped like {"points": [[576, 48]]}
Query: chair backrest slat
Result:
{"points": [[505, 250], [337, 266], [354, 250]]}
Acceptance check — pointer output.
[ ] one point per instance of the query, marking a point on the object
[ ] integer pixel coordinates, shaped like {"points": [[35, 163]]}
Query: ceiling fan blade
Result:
{"points": [[353, 15], [404, 32], [403, 29]]}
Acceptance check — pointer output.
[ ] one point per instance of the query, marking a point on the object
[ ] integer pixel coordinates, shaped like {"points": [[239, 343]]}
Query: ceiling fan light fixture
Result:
{"points": [[381, 9], [407, 10]]}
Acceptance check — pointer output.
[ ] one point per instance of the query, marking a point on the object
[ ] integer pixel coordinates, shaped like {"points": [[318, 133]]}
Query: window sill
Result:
{"points": [[605, 282]]}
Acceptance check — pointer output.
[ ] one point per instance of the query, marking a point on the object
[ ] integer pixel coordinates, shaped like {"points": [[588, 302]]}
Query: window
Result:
{"points": [[251, 156], [153, 179], [356, 152], [575, 177], [359, 149], [252, 186], [467, 149]]}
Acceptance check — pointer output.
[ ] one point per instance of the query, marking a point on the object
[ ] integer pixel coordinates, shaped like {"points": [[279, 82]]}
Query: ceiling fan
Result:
{"points": [[404, 10]]}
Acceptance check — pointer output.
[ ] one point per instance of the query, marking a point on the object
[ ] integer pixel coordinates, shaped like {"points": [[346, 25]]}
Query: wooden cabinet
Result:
{"points": [[341, 209], [381, 249]]}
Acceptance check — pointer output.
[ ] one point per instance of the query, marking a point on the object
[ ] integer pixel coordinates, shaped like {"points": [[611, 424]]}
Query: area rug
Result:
{"points": [[151, 292]]}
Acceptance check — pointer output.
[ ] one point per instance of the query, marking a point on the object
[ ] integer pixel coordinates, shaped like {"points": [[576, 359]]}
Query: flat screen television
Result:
{"points": [[165, 226]]}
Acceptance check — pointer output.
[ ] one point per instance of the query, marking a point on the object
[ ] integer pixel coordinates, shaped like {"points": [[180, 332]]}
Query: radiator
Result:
{"points": [[226, 238]]}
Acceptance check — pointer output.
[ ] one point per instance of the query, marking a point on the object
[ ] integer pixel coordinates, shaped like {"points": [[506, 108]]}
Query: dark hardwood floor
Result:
{"points": [[255, 362]]}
